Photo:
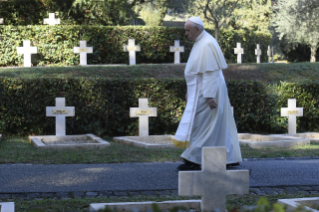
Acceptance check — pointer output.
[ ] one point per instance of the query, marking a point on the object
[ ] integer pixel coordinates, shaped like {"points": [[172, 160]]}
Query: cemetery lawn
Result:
{"points": [[262, 72], [82, 205], [19, 150]]}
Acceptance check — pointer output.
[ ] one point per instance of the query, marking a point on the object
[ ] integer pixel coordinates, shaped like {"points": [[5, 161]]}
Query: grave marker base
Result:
{"points": [[152, 141]]}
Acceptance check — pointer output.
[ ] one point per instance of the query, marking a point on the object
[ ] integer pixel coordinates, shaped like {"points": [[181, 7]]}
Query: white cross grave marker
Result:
{"points": [[51, 20], [27, 50], [60, 111], [1, 20], [143, 112], [292, 112], [239, 51], [132, 49], [258, 53], [214, 182], [83, 50], [177, 49], [269, 54]]}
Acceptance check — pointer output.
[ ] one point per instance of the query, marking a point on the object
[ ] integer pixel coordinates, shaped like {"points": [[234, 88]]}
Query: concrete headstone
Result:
{"points": [[60, 111], [132, 49], [51, 20], [177, 49], [239, 51], [269, 54], [143, 112], [258, 53], [214, 182], [27, 50], [292, 112], [1, 20], [83, 50]]}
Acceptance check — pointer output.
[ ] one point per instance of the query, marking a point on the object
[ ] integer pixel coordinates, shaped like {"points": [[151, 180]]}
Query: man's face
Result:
{"points": [[191, 32]]}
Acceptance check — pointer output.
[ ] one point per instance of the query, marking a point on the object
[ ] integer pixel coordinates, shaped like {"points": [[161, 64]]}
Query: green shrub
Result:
{"points": [[102, 105], [55, 44]]}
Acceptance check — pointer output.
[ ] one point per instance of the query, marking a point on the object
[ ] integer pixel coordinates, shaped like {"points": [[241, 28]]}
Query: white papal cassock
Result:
{"points": [[201, 126]]}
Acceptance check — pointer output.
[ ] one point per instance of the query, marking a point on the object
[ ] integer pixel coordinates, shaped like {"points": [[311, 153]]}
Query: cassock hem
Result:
{"points": [[180, 144]]}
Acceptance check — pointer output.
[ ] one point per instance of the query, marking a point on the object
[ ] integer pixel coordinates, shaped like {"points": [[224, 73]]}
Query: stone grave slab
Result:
{"points": [[146, 206], [260, 141], [152, 141], [87, 141], [214, 182], [312, 136], [311, 204], [6, 206]]}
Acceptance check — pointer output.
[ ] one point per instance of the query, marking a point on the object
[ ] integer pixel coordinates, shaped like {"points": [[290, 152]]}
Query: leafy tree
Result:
{"points": [[216, 12], [297, 22], [255, 15]]}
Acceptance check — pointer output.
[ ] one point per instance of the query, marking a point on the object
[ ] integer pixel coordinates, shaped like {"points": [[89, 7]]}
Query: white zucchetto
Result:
{"points": [[196, 20]]}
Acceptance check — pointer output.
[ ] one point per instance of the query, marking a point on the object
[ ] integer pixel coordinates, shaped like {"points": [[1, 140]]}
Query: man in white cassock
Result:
{"points": [[207, 120]]}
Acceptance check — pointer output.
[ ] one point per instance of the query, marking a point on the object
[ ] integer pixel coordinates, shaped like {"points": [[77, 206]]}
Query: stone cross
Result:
{"points": [[27, 50], [269, 54], [292, 112], [83, 50], [132, 49], [177, 49], [60, 111], [214, 182], [239, 51], [1, 20], [258, 53], [143, 112], [51, 20]]}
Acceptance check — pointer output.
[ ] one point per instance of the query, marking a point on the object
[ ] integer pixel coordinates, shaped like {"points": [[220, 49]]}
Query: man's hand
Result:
{"points": [[211, 102], [186, 97]]}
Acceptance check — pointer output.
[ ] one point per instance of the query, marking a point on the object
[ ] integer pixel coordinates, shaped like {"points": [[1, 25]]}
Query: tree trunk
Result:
{"points": [[313, 49], [216, 32]]}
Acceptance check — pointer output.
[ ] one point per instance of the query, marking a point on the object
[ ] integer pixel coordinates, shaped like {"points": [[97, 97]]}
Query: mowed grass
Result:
{"points": [[82, 205], [263, 72], [19, 150]]}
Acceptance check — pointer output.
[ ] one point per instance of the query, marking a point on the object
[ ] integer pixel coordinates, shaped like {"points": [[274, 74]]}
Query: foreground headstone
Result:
{"points": [[239, 51], [258, 53], [51, 20], [27, 50], [132, 49], [292, 112], [177, 49], [60, 111], [1, 20], [213, 183], [143, 112], [6, 206], [83, 50]]}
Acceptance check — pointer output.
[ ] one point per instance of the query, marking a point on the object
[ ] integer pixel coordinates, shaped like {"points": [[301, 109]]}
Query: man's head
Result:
{"points": [[193, 27]]}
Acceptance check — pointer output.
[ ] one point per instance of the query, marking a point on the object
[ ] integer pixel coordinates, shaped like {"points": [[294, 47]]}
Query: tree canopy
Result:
{"points": [[297, 22]]}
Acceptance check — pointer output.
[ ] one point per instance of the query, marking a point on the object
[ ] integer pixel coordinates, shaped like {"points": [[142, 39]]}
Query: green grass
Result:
{"points": [[82, 205], [19, 150], [262, 72]]}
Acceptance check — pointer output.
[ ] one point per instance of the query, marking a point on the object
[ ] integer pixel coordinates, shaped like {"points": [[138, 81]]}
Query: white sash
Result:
{"points": [[184, 130]]}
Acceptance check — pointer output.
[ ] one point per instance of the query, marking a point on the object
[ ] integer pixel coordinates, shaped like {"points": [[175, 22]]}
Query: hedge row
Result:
{"points": [[102, 105], [55, 44]]}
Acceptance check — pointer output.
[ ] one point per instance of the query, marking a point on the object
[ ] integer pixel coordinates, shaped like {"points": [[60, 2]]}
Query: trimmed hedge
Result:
{"points": [[102, 105], [55, 44]]}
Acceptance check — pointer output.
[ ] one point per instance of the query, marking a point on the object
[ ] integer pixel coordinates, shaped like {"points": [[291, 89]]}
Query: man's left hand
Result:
{"points": [[211, 102]]}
